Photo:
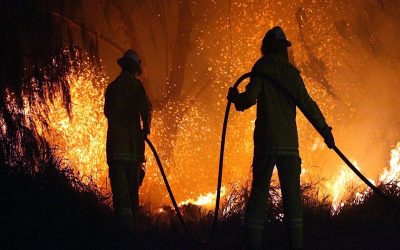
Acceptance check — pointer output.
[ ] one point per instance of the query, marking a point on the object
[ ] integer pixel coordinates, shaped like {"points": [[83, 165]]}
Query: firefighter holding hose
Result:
{"points": [[128, 111], [275, 135]]}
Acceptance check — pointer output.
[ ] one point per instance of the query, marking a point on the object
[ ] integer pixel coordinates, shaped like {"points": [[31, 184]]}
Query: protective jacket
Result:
{"points": [[126, 105], [275, 128]]}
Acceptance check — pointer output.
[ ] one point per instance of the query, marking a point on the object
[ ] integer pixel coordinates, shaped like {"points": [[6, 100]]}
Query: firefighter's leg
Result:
{"points": [[289, 169], [257, 205], [120, 191], [133, 178]]}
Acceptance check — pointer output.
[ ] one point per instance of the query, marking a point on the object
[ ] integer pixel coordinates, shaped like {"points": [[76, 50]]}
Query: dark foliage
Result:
{"points": [[51, 208], [45, 206], [37, 52], [369, 225]]}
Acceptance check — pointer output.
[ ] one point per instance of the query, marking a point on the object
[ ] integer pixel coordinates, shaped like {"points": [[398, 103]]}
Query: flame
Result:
{"points": [[80, 140], [339, 187], [393, 173], [345, 185], [191, 160], [347, 180], [207, 201]]}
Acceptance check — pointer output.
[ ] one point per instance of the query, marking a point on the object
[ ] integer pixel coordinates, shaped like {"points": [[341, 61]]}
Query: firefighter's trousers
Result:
{"points": [[124, 178], [289, 168]]}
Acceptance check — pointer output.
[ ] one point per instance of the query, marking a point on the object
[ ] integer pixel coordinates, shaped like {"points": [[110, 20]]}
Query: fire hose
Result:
{"points": [[280, 87], [221, 163], [171, 194], [219, 182]]}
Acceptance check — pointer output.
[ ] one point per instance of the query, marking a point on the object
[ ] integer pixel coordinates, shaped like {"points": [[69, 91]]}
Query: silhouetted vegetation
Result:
{"points": [[44, 204], [51, 208]]}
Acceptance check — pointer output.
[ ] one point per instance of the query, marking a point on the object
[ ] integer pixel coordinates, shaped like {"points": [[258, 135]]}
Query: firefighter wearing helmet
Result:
{"points": [[275, 135], [128, 111]]}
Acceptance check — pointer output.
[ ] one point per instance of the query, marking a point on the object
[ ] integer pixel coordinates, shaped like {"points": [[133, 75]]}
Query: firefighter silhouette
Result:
{"points": [[128, 111], [275, 135]]}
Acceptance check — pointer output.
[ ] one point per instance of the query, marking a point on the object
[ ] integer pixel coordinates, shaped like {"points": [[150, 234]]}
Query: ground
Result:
{"points": [[45, 211]]}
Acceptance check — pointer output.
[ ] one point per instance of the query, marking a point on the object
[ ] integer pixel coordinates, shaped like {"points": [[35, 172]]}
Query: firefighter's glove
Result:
{"points": [[233, 94], [328, 138]]}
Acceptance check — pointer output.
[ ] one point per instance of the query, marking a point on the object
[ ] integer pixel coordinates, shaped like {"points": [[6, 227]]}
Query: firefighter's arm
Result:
{"points": [[312, 111], [308, 105], [145, 109], [249, 97]]}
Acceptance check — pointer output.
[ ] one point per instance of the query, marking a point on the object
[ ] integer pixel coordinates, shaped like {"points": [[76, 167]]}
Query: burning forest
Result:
{"points": [[58, 57]]}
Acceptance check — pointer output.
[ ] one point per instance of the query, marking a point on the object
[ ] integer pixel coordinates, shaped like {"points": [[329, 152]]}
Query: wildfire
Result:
{"points": [[190, 157], [339, 188], [393, 173], [347, 189], [347, 183], [207, 201], [80, 140]]}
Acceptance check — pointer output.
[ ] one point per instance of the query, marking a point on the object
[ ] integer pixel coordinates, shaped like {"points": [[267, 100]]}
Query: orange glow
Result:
{"points": [[207, 201], [80, 140], [333, 29], [393, 173], [343, 185]]}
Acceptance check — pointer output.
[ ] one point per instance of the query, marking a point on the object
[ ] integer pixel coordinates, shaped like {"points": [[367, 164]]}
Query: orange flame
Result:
{"points": [[80, 140], [393, 173], [207, 201]]}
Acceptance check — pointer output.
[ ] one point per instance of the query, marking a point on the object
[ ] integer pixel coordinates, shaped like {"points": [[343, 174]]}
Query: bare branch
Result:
{"points": [[91, 32]]}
